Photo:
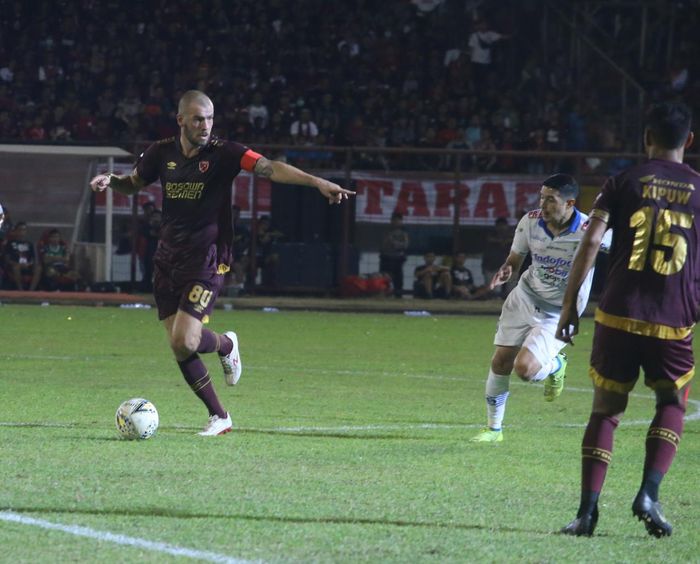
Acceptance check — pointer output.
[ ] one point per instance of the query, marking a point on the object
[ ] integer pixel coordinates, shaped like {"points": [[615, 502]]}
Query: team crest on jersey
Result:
{"points": [[203, 166]]}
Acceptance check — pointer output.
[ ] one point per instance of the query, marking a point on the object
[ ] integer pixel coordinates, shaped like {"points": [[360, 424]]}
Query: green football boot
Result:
{"points": [[487, 436], [554, 383]]}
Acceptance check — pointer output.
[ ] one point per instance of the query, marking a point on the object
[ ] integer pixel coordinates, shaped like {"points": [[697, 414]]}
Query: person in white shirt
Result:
{"points": [[525, 339], [258, 110], [304, 131], [480, 42]]}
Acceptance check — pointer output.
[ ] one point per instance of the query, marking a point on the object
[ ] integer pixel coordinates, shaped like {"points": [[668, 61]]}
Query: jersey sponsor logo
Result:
{"points": [[551, 270], [551, 261], [203, 166], [651, 179], [171, 165], [665, 189], [184, 190]]}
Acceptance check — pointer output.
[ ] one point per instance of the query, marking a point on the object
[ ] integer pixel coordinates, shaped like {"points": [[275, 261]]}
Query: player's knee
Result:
{"points": [[666, 397], [523, 369], [184, 344]]}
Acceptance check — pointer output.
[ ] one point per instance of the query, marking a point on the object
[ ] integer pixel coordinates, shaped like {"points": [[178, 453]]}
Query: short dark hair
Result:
{"points": [[565, 184], [669, 124], [397, 215]]}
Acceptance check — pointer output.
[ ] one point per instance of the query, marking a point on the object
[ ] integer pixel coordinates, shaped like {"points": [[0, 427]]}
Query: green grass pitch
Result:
{"points": [[351, 445]]}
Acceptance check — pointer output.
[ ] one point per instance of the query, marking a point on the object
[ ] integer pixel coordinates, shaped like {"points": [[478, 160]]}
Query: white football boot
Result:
{"points": [[231, 363], [217, 426]]}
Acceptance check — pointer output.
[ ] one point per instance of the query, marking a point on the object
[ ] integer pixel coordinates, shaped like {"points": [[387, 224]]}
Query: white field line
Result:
{"points": [[693, 415], [164, 548]]}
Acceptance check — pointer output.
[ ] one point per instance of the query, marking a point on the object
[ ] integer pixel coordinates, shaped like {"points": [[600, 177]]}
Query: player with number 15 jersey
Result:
{"points": [[646, 314], [653, 212]]}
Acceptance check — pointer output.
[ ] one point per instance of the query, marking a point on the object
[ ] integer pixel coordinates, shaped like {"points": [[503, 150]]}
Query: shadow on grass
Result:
{"points": [[179, 514], [321, 434], [241, 430], [336, 435]]}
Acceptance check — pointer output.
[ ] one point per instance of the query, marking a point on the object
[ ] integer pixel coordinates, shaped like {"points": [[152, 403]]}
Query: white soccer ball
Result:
{"points": [[137, 418]]}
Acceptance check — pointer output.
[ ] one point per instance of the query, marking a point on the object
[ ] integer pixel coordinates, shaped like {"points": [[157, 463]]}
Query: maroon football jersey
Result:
{"points": [[654, 266], [196, 199]]}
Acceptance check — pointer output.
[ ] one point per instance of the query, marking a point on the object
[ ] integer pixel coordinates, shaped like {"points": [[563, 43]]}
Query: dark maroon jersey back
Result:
{"points": [[196, 199], [655, 255]]}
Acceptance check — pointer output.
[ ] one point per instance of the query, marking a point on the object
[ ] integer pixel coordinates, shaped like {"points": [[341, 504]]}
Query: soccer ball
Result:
{"points": [[137, 418]]}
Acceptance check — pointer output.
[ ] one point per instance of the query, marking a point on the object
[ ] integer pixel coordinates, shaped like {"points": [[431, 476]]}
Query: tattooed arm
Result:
{"points": [[288, 174]]}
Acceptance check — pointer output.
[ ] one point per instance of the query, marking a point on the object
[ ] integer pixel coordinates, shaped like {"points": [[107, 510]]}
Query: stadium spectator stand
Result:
{"points": [[370, 73], [567, 76]]}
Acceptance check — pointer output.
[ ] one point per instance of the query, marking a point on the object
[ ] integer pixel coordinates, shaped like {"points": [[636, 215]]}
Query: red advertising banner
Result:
{"points": [[480, 200]]}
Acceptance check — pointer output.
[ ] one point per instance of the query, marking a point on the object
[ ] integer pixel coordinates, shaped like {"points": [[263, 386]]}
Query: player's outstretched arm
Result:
{"points": [[584, 260], [288, 174], [127, 184]]}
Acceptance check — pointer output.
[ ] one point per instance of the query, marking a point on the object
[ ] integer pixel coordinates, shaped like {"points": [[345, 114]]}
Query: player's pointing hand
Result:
{"points": [[332, 192]]}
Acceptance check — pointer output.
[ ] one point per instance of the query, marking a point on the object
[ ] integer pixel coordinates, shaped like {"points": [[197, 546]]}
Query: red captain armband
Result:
{"points": [[249, 159]]}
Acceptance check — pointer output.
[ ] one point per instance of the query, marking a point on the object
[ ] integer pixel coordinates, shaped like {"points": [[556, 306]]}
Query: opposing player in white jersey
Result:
{"points": [[525, 339]]}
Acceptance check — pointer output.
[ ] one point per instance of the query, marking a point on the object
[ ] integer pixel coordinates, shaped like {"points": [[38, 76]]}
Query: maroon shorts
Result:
{"points": [[192, 291], [617, 357]]}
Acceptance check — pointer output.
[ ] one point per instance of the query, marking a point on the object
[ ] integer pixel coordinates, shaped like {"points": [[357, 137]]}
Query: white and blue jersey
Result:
{"points": [[544, 282]]}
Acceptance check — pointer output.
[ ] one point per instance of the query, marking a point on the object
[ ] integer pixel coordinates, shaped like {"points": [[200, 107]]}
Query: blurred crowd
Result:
{"points": [[422, 73]]}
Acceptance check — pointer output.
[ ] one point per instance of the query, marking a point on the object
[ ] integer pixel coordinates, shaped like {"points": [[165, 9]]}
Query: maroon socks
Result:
{"points": [[213, 342], [197, 376], [596, 453], [662, 442]]}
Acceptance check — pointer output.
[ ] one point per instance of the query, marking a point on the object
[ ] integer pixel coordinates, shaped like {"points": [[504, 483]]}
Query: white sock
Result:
{"points": [[544, 371], [496, 396], [552, 366]]}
